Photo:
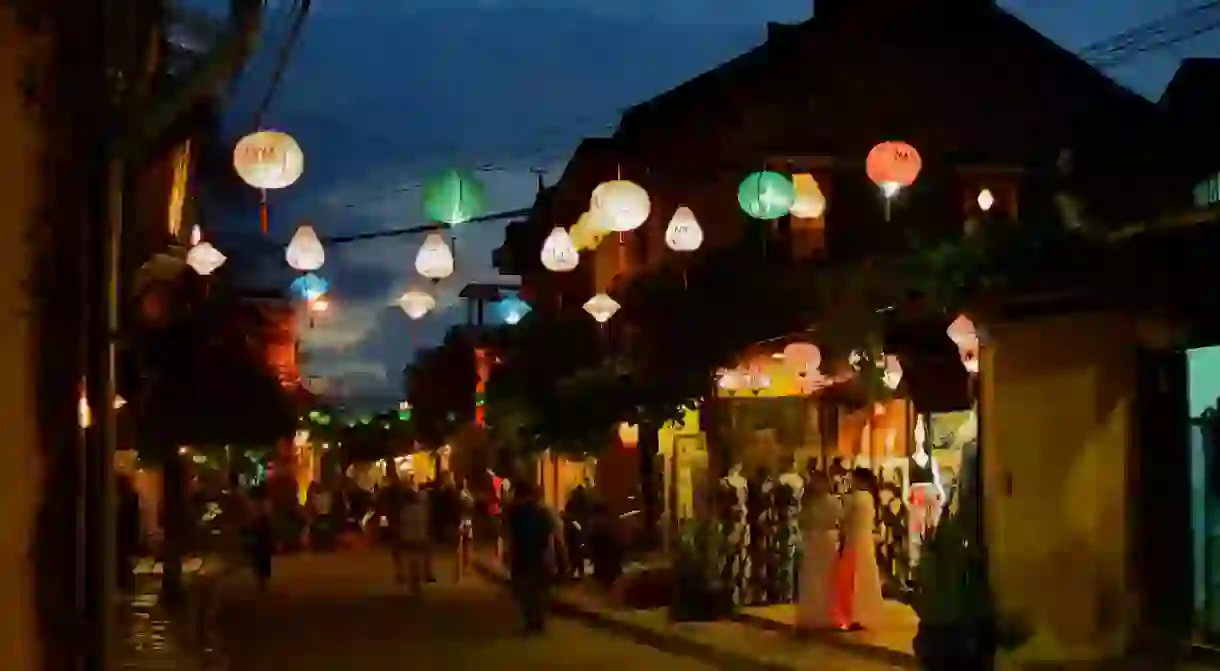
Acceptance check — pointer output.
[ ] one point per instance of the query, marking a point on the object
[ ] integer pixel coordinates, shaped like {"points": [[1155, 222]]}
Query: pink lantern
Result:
{"points": [[896, 164], [804, 358]]}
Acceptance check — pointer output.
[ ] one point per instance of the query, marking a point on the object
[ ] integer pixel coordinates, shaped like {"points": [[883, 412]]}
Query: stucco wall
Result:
{"points": [[1057, 418], [18, 478]]}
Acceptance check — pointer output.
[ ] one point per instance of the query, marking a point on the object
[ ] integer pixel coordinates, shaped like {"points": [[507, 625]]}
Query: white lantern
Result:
{"points": [[628, 434], [803, 357], [965, 335], [601, 307], [731, 380], [809, 203], [416, 303], [559, 253], [624, 205], [986, 200], [268, 160], [305, 252], [892, 376], [196, 235], [434, 260], [205, 258], [684, 233]]}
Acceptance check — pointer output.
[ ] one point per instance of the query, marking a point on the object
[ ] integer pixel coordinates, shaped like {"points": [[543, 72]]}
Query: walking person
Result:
{"points": [[444, 519], [532, 547], [261, 538], [127, 541], [858, 579], [466, 505], [821, 513]]}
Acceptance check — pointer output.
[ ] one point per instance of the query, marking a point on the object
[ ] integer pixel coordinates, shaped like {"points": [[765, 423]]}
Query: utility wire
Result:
{"points": [[285, 56]]}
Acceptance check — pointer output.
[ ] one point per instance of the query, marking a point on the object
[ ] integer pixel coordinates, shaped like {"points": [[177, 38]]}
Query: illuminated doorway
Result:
{"points": [[1203, 376]]}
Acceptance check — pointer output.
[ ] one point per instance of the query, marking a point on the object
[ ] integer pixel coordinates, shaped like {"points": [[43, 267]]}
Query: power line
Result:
{"points": [[294, 35], [1167, 31], [424, 228]]}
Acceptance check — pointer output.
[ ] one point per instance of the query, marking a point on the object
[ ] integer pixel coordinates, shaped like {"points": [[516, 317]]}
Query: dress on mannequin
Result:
{"points": [[925, 495], [787, 497], [733, 534], [762, 519]]}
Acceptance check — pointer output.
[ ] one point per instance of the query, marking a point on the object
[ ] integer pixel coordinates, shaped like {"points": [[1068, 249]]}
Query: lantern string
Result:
{"points": [[263, 214]]}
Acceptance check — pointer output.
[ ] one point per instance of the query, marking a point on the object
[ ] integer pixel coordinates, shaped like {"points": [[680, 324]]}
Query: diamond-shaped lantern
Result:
{"points": [[309, 286], [416, 303], [512, 309], [205, 258], [602, 307]]}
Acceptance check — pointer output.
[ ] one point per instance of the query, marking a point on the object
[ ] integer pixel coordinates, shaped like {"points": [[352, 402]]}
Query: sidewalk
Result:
{"points": [[726, 644], [153, 639]]}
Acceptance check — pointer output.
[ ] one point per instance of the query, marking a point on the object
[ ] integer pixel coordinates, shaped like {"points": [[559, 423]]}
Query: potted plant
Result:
{"points": [[960, 625], [697, 594]]}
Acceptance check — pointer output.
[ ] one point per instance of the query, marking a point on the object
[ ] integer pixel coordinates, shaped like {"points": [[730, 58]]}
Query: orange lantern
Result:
{"points": [[893, 165]]}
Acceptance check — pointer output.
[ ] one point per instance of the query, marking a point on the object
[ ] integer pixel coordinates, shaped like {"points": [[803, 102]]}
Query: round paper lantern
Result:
{"points": [[587, 232], [731, 380], [205, 258], [434, 260], [268, 159], [684, 233], [809, 202], [623, 205], [601, 307], [305, 252], [766, 195], [416, 303], [454, 197], [559, 255], [893, 165], [985, 200], [803, 357], [309, 286]]}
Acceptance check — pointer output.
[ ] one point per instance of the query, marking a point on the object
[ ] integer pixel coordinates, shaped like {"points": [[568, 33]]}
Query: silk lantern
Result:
{"points": [[731, 380], [196, 235], [766, 195], [804, 358], [964, 334], [559, 255], [893, 166], [985, 200], [309, 286], [512, 309], [268, 159], [601, 307], [628, 434], [416, 303], [623, 205], [891, 377], [683, 233], [305, 252], [434, 260], [454, 197], [809, 202], [204, 258], [587, 232]]}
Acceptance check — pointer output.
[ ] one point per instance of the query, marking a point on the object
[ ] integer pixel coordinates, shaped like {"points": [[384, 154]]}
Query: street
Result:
{"points": [[342, 611]]}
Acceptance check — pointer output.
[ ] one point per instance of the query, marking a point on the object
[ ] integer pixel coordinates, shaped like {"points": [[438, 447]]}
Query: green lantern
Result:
{"points": [[766, 195], [454, 197]]}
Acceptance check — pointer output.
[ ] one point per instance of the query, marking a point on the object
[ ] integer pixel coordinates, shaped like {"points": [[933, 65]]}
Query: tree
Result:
{"points": [[440, 386], [375, 437]]}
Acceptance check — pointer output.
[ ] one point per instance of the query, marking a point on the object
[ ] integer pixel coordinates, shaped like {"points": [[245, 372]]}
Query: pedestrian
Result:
{"points": [[466, 505], [261, 538], [127, 540], [444, 518], [576, 521], [532, 547], [822, 512]]}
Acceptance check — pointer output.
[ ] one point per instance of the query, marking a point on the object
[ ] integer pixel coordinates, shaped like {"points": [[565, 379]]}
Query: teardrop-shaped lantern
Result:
{"points": [[268, 160], [809, 203], [434, 260], [205, 258], [601, 307], [416, 303], [624, 205], [965, 335], [766, 195], [893, 166], [684, 233], [454, 197], [305, 252], [559, 255]]}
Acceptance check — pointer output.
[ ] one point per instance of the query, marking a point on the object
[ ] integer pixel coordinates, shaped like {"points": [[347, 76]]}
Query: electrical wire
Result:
{"points": [[285, 56]]}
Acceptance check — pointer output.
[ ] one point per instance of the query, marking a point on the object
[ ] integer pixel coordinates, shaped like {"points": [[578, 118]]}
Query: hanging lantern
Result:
{"points": [[602, 307], [803, 357], [766, 195], [684, 233], [309, 286], [587, 232], [892, 376], [305, 252], [268, 160], [205, 258], [893, 166], [512, 309], [809, 202], [416, 303], [965, 335], [559, 255], [622, 205], [985, 200], [454, 197], [196, 235], [731, 380], [434, 260], [628, 434]]}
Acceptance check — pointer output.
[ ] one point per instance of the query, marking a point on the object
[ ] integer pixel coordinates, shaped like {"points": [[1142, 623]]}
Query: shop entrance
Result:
{"points": [[1203, 375]]}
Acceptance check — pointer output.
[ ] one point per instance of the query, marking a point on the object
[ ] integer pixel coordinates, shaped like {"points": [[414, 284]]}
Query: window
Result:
{"points": [[1207, 192]]}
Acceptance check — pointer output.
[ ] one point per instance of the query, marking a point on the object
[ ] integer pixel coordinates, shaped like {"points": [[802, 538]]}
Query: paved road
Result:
{"points": [[340, 612]]}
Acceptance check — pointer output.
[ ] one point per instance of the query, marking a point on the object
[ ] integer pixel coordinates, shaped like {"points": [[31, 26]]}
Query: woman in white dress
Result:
{"points": [[820, 527], [858, 582]]}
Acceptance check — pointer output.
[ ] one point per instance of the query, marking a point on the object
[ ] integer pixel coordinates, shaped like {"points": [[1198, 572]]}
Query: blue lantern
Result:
{"points": [[512, 309], [309, 286]]}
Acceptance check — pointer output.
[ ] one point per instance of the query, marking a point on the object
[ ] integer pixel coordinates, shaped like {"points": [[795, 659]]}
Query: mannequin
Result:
{"points": [[789, 490], [760, 509], [733, 534], [924, 493]]}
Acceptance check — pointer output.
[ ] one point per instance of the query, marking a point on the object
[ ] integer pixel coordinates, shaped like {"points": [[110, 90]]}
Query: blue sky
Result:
{"points": [[380, 94]]}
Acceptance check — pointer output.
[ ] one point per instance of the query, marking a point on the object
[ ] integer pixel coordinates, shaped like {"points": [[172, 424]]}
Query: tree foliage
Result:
{"points": [[440, 387], [374, 437]]}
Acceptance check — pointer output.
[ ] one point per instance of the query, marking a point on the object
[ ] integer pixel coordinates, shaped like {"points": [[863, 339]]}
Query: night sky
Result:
{"points": [[382, 93]]}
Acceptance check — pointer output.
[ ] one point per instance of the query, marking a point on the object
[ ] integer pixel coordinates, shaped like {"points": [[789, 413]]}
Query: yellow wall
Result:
{"points": [[19, 478], [1057, 410]]}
